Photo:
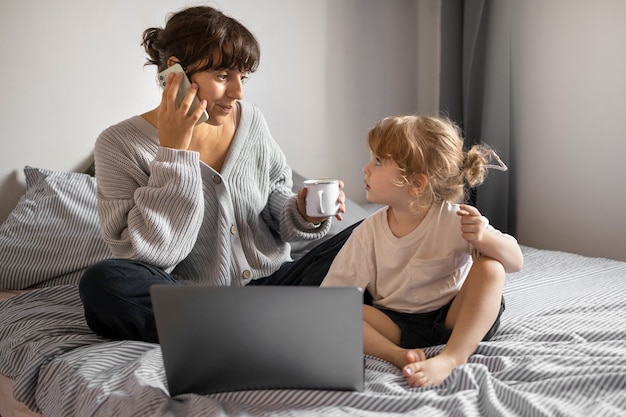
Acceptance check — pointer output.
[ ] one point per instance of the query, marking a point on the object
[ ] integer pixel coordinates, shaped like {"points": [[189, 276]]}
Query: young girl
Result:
{"points": [[434, 268]]}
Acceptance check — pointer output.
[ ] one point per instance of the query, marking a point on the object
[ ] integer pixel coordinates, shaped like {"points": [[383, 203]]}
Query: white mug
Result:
{"points": [[322, 197]]}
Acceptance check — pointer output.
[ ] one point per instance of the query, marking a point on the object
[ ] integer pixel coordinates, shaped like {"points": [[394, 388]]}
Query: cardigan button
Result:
{"points": [[246, 274], [233, 230], [217, 179]]}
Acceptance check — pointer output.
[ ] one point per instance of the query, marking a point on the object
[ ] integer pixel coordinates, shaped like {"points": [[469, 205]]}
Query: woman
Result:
{"points": [[202, 204]]}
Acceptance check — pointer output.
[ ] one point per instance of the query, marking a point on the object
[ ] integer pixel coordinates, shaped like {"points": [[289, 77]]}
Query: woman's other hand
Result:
{"points": [[316, 220]]}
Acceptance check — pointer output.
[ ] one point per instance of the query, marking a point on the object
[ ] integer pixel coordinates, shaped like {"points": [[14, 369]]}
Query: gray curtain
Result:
{"points": [[475, 92]]}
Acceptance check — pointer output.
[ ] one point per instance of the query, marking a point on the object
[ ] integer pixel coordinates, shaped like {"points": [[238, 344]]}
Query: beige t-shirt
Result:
{"points": [[419, 272]]}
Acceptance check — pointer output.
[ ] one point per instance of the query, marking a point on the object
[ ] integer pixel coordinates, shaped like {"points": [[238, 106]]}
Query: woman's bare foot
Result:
{"points": [[422, 372]]}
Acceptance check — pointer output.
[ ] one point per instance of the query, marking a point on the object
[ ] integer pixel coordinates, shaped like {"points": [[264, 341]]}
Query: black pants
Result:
{"points": [[311, 269], [116, 292]]}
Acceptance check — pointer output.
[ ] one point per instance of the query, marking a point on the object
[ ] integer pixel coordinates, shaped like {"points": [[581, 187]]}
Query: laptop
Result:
{"points": [[218, 339]]}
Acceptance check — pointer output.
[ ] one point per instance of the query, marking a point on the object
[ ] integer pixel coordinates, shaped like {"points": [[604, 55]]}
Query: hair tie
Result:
{"points": [[501, 166]]}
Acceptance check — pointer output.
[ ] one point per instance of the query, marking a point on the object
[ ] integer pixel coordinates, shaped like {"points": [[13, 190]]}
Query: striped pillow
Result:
{"points": [[52, 235]]}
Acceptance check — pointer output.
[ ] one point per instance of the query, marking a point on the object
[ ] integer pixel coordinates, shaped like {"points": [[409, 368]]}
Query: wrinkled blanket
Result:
{"points": [[561, 350]]}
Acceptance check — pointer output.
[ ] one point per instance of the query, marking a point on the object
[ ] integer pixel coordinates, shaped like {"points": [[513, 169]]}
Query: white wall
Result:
{"points": [[329, 69], [569, 89]]}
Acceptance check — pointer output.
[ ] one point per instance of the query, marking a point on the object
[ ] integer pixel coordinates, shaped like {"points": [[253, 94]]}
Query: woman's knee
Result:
{"points": [[96, 277], [120, 278], [106, 279]]}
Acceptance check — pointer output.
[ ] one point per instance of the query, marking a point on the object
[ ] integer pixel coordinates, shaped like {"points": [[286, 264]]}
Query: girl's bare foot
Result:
{"points": [[424, 372], [415, 355]]}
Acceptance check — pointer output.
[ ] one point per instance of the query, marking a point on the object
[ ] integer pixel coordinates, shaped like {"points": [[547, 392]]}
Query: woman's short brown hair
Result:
{"points": [[202, 38]]}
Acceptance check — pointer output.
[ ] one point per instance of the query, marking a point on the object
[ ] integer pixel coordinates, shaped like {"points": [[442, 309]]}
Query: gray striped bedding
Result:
{"points": [[52, 235], [561, 351]]}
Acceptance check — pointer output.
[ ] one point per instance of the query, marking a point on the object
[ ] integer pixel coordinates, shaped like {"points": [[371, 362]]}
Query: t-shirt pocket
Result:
{"points": [[434, 282]]}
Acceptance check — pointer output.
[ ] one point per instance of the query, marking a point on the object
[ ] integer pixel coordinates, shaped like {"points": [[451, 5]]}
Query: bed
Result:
{"points": [[561, 349]]}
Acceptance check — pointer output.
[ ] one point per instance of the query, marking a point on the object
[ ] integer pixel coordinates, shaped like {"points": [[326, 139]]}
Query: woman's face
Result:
{"points": [[221, 89]]}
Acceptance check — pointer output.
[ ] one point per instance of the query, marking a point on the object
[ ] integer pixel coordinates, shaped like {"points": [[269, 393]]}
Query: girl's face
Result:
{"points": [[221, 89], [382, 179]]}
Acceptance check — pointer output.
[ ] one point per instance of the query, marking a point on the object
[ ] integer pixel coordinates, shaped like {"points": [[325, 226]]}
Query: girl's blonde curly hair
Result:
{"points": [[433, 147]]}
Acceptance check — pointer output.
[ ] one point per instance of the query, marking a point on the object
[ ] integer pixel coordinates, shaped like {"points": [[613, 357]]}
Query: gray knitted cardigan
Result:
{"points": [[165, 207]]}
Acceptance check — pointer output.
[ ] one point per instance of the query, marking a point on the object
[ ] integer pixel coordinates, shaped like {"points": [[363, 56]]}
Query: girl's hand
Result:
{"points": [[175, 126], [315, 220], [472, 225]]}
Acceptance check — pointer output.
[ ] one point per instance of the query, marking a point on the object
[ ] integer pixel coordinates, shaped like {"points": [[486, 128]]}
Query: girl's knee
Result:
{"points": [[489, 264], [488, 268]]}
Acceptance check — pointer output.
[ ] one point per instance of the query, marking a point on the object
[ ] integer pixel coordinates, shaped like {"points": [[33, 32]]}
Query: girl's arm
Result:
{"points": [[489, 242]]}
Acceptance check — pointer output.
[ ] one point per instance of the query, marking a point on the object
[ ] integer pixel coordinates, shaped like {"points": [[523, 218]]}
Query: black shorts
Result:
{"points": [[419, 330]]}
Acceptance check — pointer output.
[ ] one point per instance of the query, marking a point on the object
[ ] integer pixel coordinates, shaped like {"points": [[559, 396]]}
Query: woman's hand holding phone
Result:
{"points": [[180, 109]]}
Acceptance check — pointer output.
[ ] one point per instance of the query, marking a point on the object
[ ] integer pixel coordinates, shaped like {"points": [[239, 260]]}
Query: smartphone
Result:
{"points": [[182, 90]]}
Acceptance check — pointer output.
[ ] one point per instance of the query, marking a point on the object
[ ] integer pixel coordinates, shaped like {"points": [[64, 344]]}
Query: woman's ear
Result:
{"points": [[172, 60]]}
